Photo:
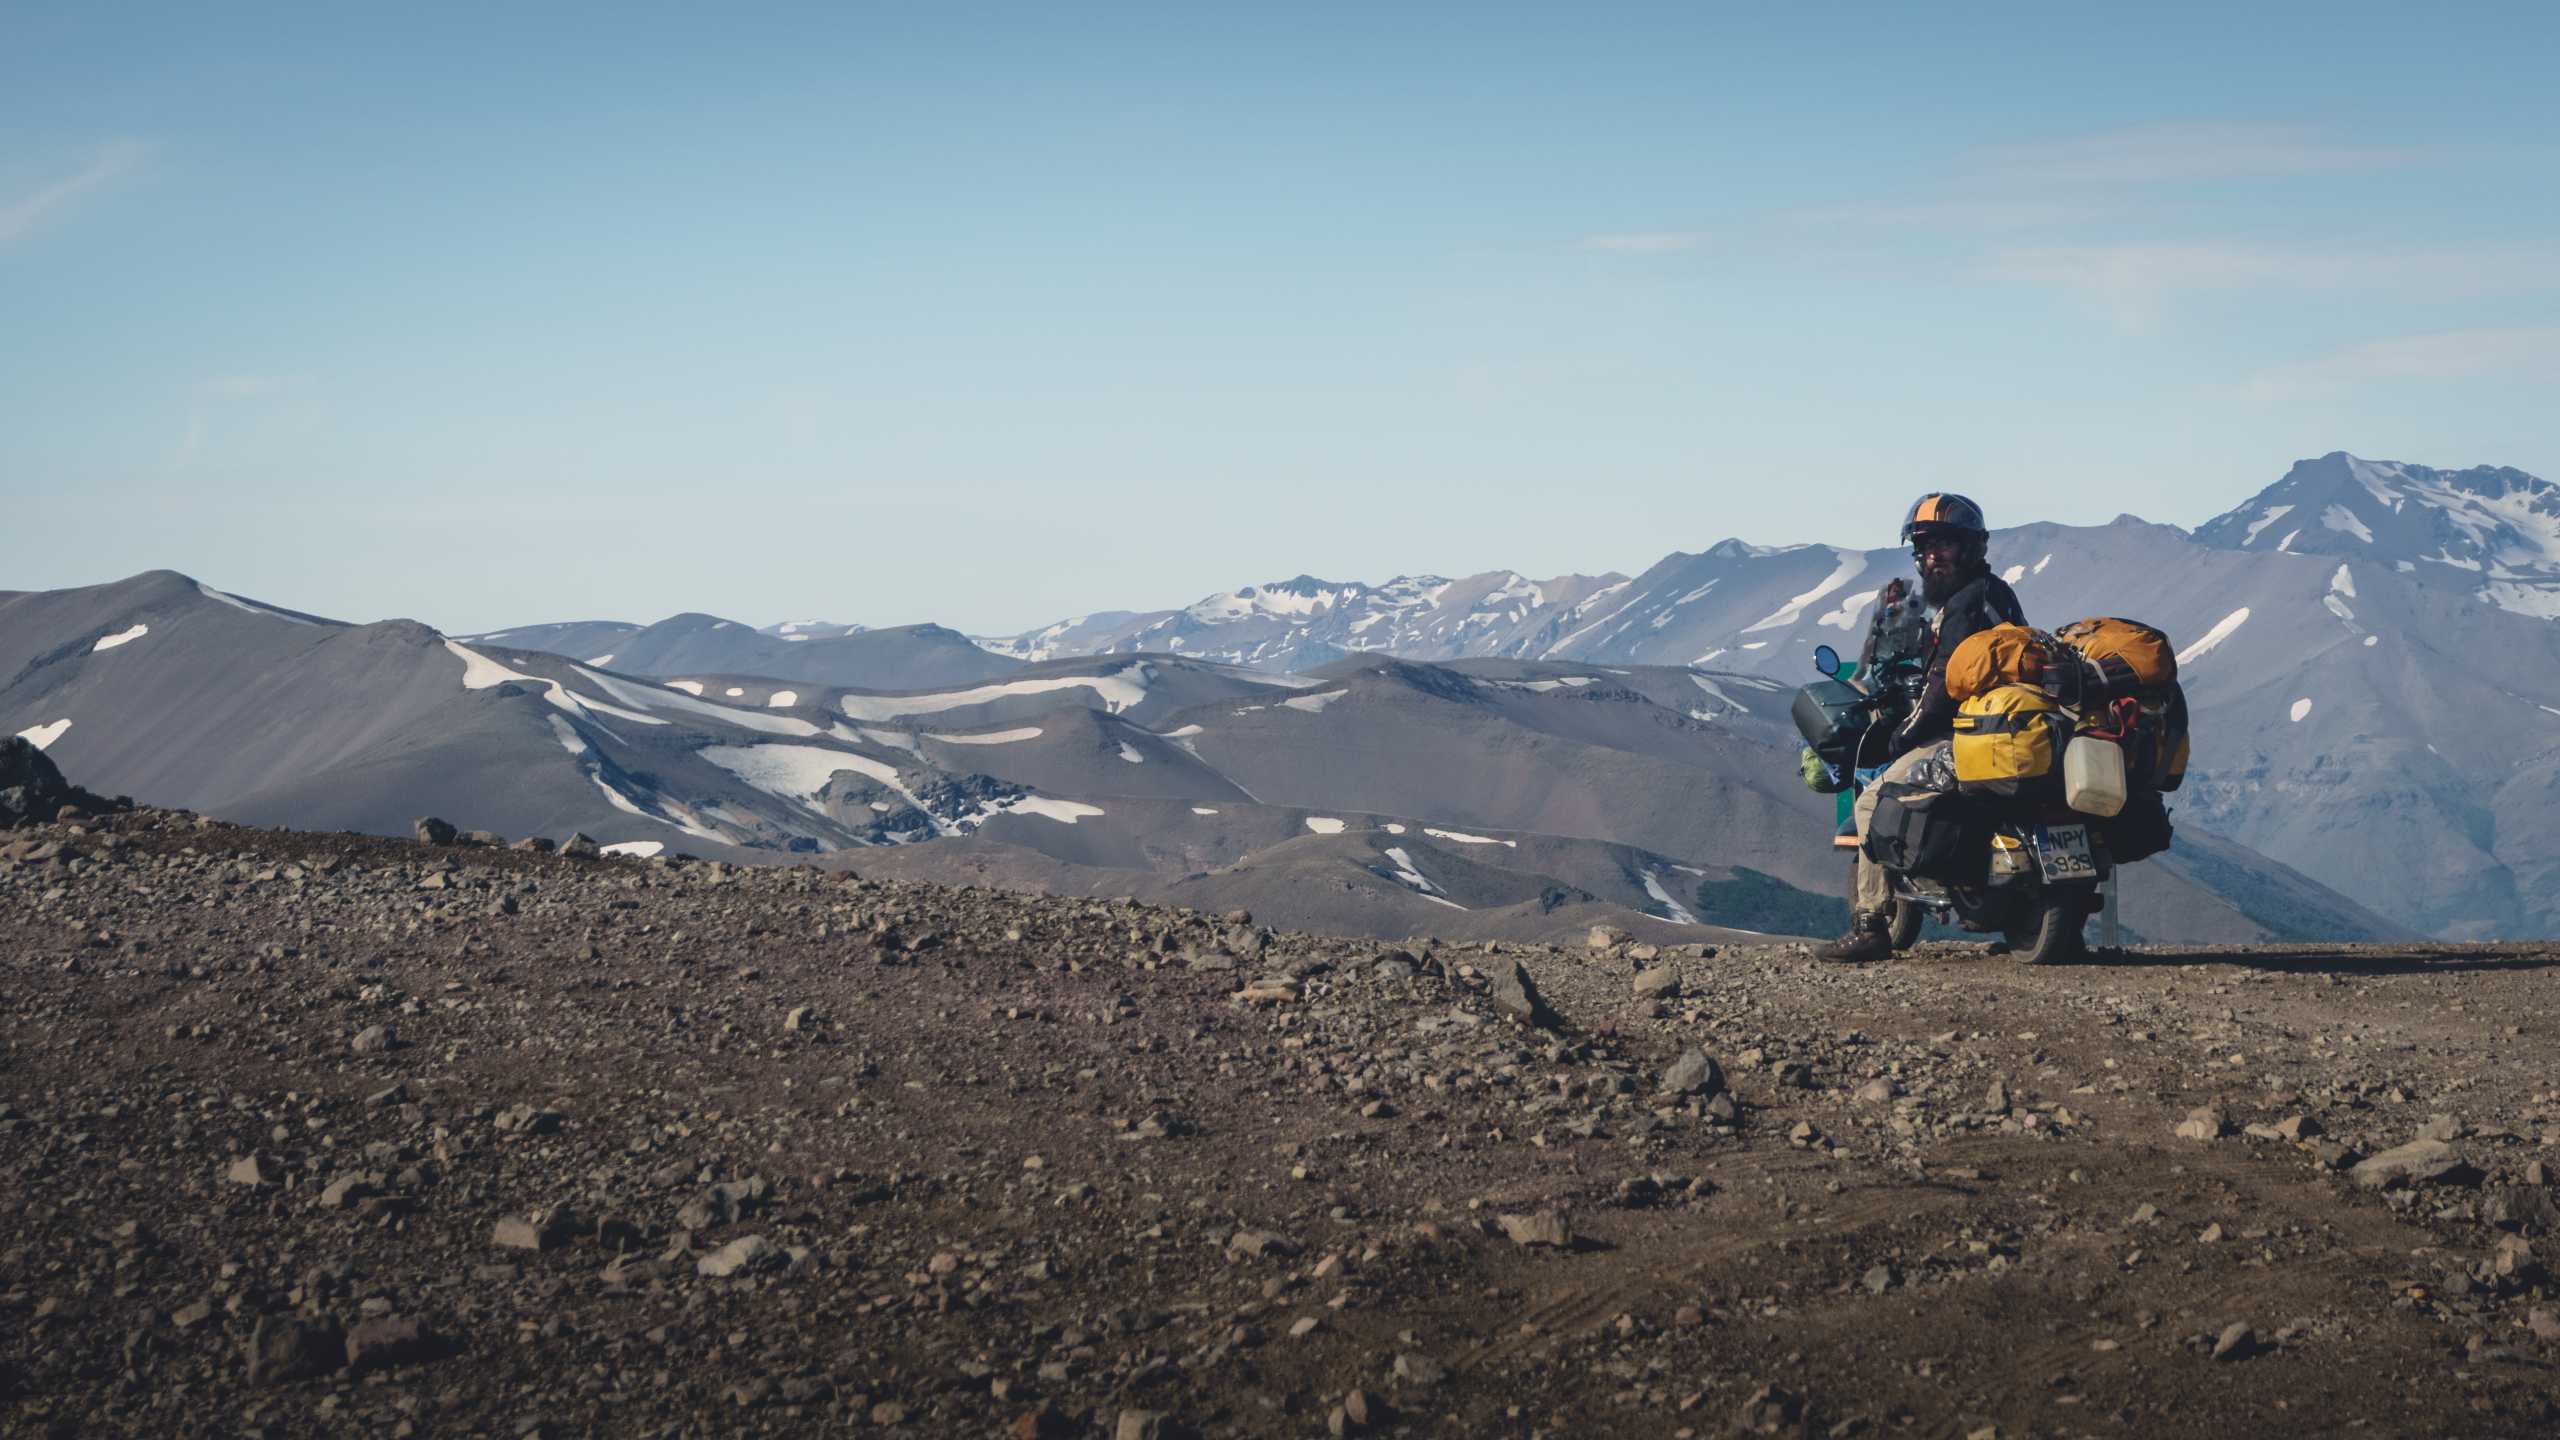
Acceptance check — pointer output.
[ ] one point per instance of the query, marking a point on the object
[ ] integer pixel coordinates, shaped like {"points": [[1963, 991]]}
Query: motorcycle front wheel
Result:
{"points": [[1908, 917]]}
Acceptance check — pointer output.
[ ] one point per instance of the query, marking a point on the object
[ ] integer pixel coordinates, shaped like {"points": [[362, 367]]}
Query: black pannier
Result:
{"points": [[2140, 830], [1934, 834], [1831, 716]]}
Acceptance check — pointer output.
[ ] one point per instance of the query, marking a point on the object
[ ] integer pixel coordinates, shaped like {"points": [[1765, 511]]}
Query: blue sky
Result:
{"points": [[989, 314]]}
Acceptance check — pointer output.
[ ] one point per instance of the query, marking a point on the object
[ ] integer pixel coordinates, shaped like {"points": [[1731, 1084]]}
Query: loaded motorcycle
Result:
{"points": [[2026, 868]]}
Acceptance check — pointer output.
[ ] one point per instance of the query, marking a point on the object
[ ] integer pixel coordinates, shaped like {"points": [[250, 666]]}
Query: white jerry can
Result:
{"points": [[2093, 775]]}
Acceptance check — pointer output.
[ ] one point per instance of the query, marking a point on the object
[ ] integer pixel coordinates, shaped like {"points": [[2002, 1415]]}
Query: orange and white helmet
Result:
{"points": [[1943, 513]]}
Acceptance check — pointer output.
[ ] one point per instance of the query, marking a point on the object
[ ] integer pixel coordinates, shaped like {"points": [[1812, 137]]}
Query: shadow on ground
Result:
{"points": [[2341, 961]]}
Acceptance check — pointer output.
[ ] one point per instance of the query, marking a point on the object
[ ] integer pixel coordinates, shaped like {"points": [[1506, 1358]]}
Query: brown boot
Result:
{"points": [[1870, 939]]}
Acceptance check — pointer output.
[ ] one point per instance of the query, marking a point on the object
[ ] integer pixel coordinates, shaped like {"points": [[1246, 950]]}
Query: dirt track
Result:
{"points": [[1034, 1164]]}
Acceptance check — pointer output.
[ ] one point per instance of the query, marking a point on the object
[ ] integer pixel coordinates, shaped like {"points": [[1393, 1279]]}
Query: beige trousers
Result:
{"points": [[1875, 894]]}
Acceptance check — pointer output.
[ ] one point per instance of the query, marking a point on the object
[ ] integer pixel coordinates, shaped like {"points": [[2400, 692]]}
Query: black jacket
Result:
{"points": [[1984, 601]]}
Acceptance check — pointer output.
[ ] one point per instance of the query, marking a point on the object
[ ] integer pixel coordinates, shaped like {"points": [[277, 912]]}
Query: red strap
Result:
{"points": [[2124, 714]]}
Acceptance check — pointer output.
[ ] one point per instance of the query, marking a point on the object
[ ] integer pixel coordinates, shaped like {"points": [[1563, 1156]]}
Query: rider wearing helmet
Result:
{"points": [[1948, 540]]}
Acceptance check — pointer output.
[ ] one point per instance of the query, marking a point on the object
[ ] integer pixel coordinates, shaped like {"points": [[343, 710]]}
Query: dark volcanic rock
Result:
{"points": [[33, 791], [1518, 996], [1694, 1073], [283, 1349], [390, 1340]]}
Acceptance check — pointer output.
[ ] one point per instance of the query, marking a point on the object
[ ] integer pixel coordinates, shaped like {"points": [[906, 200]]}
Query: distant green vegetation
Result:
{"points": [[1753, 901]]}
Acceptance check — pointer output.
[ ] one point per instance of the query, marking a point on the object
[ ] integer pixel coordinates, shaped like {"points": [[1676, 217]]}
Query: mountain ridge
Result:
{"points": [[1475, 797], [2349, 724]]}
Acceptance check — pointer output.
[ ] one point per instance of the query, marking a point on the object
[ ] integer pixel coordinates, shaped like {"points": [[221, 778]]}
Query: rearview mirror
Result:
{"points": [[1826, 660]]}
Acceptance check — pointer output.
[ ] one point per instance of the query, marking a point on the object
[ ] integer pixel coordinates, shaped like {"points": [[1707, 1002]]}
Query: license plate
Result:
{"points": [[2062, 852]]}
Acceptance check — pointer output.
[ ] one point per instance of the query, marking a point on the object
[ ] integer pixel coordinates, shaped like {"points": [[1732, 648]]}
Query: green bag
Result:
{"points": [[1818, 777]]}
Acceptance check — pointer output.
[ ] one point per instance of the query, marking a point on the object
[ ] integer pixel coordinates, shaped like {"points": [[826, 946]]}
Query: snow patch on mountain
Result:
{"points": [[636, 849], [1324, 825], [1673, 910], [629, 806], [1460, 837], [2517, 526], [43, 736], [2273, 514], [1118, 690], [1851, 563], [2344, 521], [992, 737], [1717, 692], [1851, 607], [121, 637], [800, 772], [1252, 600], [811, 630], [1410, 874], [2213, 638], [657, 699], [2542, 602], [2376, 480], [568, 736], [1065, 812], [479, 672], [1314, 704], [1585, 606], [236, 603]]}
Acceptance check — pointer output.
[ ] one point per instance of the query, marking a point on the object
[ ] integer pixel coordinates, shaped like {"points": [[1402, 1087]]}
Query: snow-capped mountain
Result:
{"points": [[2368, 650], [1305, 622], [2491, 532], [2490, 529], [904, 657], [801, 630], [1730, 600]]}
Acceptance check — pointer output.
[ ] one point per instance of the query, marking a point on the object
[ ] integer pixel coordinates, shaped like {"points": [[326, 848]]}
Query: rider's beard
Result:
{"points": [[1938, 589]]}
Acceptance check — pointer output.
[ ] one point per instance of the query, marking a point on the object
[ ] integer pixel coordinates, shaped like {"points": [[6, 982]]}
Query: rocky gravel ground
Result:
{"points": [[324, 1134]]}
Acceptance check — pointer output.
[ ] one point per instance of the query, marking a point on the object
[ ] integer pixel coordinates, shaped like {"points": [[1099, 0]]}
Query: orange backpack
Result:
{"points": [[2001, 655], [2134, 658]]}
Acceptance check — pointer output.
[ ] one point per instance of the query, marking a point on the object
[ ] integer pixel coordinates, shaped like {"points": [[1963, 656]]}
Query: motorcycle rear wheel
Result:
{"points": [[2050, 931]]}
